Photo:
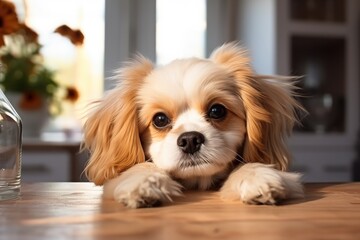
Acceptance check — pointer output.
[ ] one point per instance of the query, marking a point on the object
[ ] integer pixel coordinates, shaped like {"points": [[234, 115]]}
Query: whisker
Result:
{"points": [[238, 157]]}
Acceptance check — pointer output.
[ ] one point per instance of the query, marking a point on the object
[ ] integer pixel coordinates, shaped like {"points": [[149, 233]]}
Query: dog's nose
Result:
{"points": [[190, 142]]}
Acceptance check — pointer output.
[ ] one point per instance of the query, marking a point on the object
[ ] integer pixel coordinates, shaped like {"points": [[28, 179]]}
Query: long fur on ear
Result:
{"points": [[269, 105], [111, 132]]}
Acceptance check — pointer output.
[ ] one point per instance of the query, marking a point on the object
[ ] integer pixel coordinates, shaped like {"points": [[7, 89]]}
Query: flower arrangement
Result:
{"points": [[21, 63]]}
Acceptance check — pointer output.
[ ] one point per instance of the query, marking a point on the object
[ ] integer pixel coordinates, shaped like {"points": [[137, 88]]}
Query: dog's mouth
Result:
{"points": [[197, 162], [191, 167], [192, 160], [190, 163]]}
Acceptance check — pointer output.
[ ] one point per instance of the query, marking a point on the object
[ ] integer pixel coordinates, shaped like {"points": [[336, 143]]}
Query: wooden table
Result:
{"points": [[76, 211]]}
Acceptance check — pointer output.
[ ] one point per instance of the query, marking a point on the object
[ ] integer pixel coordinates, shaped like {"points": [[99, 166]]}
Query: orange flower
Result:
{"points": [[29, 34], [75, 36], [63, 30], [31, 101], [9, 22], [72, 94]]}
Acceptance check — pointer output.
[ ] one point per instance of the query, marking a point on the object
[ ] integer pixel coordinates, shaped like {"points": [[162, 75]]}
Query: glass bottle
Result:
{"points": [[10, 150]]}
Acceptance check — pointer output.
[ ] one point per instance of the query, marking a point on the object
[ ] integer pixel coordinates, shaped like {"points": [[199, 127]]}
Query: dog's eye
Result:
{"points": [[160, 120], [217, 111]]}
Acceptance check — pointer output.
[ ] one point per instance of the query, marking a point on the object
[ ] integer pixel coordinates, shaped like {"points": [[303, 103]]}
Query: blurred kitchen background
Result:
{"points": [[317, 40]]}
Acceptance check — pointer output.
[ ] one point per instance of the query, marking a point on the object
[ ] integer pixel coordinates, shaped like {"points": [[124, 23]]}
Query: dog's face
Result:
{"points": [[192, 118]]}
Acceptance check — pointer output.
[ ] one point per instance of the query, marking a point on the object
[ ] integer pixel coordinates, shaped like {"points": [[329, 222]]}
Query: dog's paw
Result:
{"points": [[148, 190], [262, 191], [261, 184]]}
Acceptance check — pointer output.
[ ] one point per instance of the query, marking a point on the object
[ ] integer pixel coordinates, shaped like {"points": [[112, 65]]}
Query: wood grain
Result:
{"points": [[77, 211]]}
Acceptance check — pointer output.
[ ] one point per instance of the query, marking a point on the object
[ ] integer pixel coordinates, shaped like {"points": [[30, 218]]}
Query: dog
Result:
{"points": [[193, 124]]}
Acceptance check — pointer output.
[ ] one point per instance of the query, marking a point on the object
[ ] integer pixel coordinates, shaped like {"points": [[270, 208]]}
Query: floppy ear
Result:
{"points": [[269, 107], [111, 132]]}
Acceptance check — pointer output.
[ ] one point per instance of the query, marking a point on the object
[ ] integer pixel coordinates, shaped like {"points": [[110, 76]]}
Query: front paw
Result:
{"points": [[148, 190], [261, 184]]}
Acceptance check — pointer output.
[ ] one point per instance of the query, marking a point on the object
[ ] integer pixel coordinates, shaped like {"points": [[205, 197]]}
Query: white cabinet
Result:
{"points": [[53, 158], [45, 166]]}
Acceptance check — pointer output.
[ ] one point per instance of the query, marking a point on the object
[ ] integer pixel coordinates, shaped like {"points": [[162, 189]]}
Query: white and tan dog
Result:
{"points": [[193, 124]]}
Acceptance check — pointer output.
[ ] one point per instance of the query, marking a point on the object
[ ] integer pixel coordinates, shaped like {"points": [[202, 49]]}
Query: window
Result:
{"points": [[180, 29], [80, 67]]}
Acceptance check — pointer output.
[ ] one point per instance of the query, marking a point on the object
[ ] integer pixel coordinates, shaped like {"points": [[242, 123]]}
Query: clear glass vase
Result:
{"points": [[10, 150]]}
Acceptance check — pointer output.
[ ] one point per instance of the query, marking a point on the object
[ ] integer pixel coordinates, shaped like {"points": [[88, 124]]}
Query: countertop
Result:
{"points": [[77, 211]]}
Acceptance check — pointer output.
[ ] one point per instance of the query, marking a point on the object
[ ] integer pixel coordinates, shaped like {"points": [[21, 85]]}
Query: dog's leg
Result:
{"points": [[143, 185], [256, 183]]}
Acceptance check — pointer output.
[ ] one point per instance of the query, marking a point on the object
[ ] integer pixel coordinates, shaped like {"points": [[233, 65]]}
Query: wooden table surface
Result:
{"points": [[77, 211]]}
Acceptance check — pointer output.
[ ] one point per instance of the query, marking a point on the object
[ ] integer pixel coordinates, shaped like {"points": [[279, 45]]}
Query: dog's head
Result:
{"points": [[192, 117]]}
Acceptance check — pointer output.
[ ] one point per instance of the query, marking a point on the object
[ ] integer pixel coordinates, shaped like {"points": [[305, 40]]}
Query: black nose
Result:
{"points": [[190, 142]]}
